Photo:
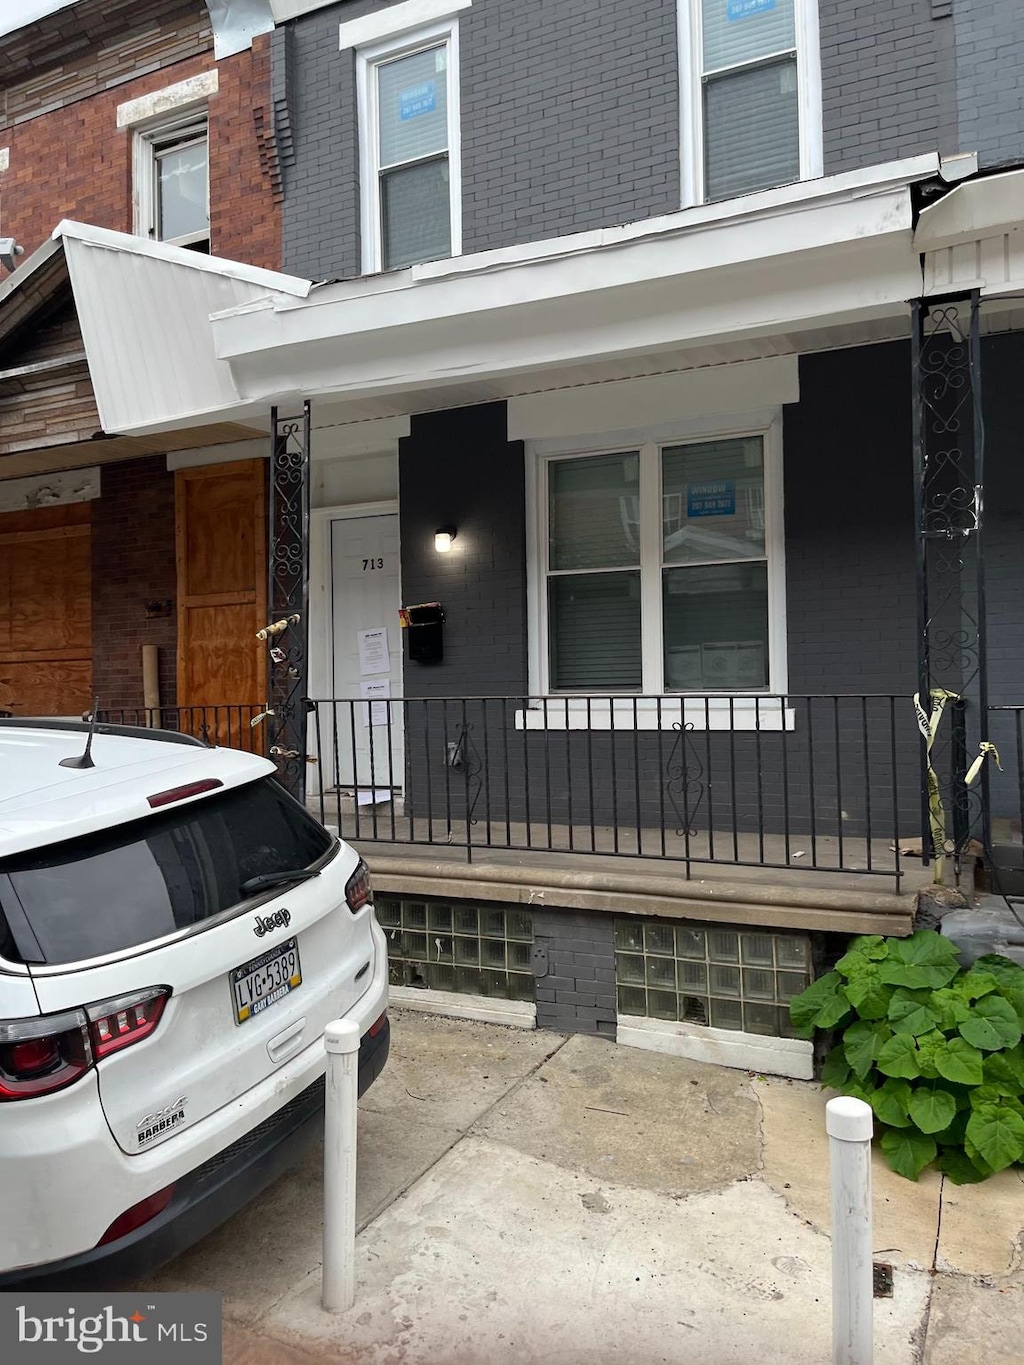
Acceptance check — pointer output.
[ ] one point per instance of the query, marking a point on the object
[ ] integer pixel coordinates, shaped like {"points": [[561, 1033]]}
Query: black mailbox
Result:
{"points": [[425, 626]]}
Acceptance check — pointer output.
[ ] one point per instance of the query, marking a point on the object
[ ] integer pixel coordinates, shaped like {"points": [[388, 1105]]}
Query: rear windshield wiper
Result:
{"points": [[265, 879]]}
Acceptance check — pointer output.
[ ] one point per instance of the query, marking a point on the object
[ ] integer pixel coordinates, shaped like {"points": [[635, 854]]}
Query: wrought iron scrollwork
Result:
{"points": [[288, 598], [949, 508], [684, 780], [465, 759]]}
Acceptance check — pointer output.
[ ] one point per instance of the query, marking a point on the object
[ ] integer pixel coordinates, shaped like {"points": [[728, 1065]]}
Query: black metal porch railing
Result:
{"points": [[229, 724], [822, 783]]}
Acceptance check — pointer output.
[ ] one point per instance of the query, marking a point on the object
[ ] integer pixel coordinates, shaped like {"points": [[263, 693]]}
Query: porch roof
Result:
{"points": [[176, 340], [808, 266]]}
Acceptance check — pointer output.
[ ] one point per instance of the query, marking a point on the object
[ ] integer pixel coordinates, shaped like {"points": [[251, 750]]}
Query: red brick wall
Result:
{"points": [[74, 162], [133, 562]]}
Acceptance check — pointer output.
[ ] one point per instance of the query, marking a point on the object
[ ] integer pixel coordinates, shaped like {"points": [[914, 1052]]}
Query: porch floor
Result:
{"points": [[789, 881]]}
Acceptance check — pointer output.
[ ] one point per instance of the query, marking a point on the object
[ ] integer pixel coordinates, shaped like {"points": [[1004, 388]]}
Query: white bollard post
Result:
{"points": [[338, 1284], [850, 1125]]}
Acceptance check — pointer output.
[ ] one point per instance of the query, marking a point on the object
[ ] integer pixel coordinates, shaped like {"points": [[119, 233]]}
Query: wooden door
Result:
{"points": [[220, 518], [46, 611]]}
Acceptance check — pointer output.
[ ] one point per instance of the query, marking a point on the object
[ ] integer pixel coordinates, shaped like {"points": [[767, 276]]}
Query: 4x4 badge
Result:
{"points": [[156, 1124], [280, 919]]}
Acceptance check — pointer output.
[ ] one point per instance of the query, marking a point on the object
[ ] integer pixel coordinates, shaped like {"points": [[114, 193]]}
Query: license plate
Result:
{"points": [[258, 984]]}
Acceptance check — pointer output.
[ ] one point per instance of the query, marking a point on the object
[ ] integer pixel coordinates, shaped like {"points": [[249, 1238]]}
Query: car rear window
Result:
{"points": [[137, 882]]}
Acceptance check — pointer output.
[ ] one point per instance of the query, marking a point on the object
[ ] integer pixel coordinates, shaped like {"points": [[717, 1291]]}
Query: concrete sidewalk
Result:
{"points": [[524, 1197]]}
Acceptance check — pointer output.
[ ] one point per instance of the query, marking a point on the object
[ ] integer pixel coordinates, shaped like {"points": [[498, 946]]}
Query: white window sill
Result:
{"points": [[654, 713]]}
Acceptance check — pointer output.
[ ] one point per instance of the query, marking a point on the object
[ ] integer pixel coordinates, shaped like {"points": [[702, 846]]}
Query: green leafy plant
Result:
{"points": [[933, 1047]]}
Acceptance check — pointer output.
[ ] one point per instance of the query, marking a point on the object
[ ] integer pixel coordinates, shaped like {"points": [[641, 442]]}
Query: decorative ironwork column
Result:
{"points": [[288, 598], [949, 512]]}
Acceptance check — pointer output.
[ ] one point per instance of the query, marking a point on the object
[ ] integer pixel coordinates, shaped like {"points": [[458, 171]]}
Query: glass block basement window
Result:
{"points": [[709, 974], [473, 950]]}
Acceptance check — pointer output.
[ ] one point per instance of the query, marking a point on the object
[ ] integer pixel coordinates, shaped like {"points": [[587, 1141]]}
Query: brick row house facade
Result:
{"points": [[106, 108], [663, 355]]}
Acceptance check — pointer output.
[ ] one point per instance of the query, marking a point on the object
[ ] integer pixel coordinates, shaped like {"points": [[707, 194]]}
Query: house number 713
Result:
{"points": [[372, 564]]}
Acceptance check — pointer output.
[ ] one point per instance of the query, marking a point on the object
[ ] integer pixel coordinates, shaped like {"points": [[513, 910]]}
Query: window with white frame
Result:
{"points": [[751, 81], [409, 149], [661, 567], [172, 180]]}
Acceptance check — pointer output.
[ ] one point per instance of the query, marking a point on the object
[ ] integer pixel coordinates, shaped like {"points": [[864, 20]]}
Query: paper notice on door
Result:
{"points": [[374, 655], [376, 693]]}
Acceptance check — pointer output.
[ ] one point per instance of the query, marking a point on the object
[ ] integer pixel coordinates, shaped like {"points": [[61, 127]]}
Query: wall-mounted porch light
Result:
{"points": [[443, 537]]}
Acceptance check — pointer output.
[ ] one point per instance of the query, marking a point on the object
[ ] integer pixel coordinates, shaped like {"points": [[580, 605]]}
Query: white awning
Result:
{"points": [[144, 310]]}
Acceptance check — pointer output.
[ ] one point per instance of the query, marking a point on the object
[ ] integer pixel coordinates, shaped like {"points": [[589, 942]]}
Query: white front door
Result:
{"points": [[369, 745]]}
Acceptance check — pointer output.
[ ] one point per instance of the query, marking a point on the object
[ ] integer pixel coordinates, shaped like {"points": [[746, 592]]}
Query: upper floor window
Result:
{"points": [[172, 180], [751, 105], [661, 567], [409, 142]]}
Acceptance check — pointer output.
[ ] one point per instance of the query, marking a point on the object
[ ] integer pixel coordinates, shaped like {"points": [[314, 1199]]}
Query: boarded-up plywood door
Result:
{"points": [[46, 611], [222, 592]]}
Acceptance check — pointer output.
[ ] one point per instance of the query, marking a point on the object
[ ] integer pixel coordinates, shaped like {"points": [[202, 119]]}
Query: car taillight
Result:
{"points": [[377, 1025], [115, 1024], [39, 1056], [359, 888], [142, 1212]]}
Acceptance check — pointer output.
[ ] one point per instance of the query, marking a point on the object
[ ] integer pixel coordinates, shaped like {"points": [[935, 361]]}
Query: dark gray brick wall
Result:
{"points": [[320, 214], [1002, 361], [887, 80], [990, 78], [576, 992], [570, 116], [459, 468], [569, 122]]}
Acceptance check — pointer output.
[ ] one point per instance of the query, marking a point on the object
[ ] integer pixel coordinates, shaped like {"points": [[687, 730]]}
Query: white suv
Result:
{"points": [[175, 933]]}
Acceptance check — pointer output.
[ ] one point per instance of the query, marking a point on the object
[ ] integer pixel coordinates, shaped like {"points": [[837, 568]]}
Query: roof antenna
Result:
{"points": [[85, 760]]}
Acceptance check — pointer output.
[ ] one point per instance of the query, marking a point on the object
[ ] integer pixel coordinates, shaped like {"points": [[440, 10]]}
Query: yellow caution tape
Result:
{"points": [[928, 724], [985, 750]]}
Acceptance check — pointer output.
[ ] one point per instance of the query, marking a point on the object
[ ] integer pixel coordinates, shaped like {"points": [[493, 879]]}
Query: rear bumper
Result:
{"points": [[207, 1196]]}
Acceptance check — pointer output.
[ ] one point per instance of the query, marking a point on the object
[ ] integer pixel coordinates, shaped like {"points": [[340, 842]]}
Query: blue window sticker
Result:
{"points": [[745, 9], [711, 498], [420, 99]]}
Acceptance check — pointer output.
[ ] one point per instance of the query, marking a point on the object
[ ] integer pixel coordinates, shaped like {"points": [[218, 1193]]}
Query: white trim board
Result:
{"points": [[511, 1013], [746, 387], [256, 449], [397, 20], [791, 1057]]}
